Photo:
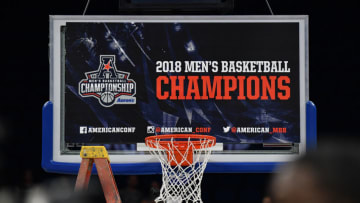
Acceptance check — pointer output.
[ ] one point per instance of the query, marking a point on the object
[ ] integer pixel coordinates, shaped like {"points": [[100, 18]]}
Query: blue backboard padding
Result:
{"points": [[311, 126], [49, 165]]}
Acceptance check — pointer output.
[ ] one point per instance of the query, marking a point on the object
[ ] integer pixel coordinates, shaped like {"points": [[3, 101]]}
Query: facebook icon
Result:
{"points": [[83, 130]]}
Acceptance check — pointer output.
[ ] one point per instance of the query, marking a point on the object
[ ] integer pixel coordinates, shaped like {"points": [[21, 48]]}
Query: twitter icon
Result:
{"points": [[226, 129]]}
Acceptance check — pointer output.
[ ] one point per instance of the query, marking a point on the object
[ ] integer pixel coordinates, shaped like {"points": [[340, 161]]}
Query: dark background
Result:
{"points": [[334, 48]]}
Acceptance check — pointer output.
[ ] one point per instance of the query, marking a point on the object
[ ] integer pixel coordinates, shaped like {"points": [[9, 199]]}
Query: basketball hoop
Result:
{"points": [[183, 159]]}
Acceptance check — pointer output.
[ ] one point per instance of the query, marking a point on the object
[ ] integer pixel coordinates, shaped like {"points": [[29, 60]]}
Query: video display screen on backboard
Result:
{"points": [[115, 80], [242, 81]]}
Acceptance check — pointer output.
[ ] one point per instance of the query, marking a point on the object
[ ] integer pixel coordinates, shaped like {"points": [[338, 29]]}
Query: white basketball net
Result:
{"points": [[181, 183]]}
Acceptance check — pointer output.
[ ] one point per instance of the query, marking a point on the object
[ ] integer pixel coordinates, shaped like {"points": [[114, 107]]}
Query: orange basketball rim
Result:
{"points": [[180, 147]]}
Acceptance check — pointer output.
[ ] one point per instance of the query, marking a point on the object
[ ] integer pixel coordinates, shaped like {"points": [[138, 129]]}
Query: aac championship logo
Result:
{"points": [[108, 85]]}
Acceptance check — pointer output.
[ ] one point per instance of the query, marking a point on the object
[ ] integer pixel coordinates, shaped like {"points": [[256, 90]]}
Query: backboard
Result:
{"points": [[114, 80]]}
